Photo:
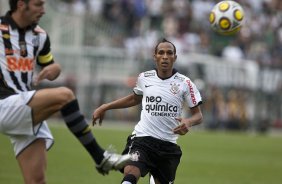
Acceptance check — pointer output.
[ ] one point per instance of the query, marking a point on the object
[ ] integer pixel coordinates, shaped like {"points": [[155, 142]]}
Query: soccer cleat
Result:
{"points": [[112, 161]]}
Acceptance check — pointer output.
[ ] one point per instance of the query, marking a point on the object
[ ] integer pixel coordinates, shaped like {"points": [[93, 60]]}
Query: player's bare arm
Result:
{"points": [[185, 123], [125, 102]]}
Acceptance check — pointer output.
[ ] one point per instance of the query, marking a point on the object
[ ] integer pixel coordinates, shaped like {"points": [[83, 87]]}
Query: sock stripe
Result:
{"points": [[79, 128], [77, 124], [70, 108], [86, 139], [87, 130], [129, 179], [76, 121], [72, 117]]}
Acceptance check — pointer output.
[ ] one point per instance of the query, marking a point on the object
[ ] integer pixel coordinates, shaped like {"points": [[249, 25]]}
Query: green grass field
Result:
{"points": [[208, 158]]}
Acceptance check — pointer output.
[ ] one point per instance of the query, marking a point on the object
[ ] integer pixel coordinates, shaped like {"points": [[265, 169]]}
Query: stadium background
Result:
{"points": [[103, 45]]}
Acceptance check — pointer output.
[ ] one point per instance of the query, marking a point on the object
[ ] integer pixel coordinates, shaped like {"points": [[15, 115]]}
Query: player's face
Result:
{"points": [[33, 11], [165, 57]]}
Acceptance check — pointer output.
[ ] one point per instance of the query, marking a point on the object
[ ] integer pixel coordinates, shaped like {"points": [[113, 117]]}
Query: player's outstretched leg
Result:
{"points": [[77, 124]]}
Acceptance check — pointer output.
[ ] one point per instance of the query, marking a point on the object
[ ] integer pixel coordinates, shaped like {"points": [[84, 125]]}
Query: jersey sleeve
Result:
{"points": [[45, 56], [138, 87], [192, 94]]}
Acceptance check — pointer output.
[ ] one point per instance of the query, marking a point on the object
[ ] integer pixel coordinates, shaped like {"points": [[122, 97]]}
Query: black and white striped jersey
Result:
{"points": [[20, 51], [162, 102]]}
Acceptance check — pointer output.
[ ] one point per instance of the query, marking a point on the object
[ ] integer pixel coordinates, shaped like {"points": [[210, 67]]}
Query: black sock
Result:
{"points": [[77, 124], [129, 178]]}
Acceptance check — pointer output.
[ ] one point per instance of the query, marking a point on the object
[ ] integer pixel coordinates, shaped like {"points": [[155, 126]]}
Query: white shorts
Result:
{"points": [[16, 122]]}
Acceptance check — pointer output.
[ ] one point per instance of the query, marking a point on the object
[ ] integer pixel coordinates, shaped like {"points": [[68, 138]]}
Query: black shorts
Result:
{"points": [[160, 158]]}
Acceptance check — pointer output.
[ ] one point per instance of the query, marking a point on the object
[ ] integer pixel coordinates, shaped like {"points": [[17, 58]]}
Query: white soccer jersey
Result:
{"points": [[162, 102], [19, 51]]}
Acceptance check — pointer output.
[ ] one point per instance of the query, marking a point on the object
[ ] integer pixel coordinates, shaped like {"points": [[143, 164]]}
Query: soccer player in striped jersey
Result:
{"points": [[23, 44], [153, 143]]}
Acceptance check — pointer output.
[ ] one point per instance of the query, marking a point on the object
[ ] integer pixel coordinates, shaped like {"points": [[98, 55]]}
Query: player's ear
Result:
{"points": [[154, 56], [175, 57]]}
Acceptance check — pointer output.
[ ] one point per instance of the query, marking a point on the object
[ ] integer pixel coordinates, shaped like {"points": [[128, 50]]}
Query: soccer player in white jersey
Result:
{"points": [[24, 44], [153, 143]]}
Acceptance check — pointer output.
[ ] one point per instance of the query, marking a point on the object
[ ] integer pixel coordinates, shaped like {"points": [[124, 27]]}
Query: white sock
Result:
{"points": [[152, 181], [126, 182]]}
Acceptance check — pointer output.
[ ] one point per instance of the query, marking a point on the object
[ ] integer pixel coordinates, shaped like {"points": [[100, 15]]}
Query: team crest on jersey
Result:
{"points": [[135, 156], [148, 74], [23, 49], [4, 27], [174, 88]]}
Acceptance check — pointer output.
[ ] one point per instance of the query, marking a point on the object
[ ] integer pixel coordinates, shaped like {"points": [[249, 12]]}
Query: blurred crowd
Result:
{"points": [[138, 24]]}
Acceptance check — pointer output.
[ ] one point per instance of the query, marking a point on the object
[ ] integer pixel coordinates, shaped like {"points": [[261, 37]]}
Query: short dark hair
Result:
{"points": [[163, 41], [13, 4]]}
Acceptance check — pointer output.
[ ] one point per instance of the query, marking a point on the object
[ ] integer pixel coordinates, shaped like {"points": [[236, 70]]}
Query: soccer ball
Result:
{"points": [[226, 17]]}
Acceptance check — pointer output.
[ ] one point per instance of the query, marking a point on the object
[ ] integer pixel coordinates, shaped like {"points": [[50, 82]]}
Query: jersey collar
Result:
{"points": [[174, 71]]}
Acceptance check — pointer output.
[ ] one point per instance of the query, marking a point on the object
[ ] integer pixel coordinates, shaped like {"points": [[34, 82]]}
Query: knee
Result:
{"points": [[38, 179], [66, 94], [132, 170]]}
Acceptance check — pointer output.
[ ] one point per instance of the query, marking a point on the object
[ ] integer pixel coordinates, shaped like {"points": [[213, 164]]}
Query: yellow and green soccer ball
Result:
{"points": [[226, 17]]}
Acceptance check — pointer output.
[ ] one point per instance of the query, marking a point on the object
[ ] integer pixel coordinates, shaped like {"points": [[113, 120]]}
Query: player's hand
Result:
{"points": [[98, 114], [49, 72], [41, 76], [182, 128]]}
